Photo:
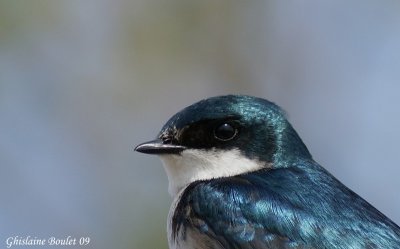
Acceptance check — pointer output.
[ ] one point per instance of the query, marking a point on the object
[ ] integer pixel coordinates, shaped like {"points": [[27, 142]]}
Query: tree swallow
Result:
{"points": [[241, 177]]}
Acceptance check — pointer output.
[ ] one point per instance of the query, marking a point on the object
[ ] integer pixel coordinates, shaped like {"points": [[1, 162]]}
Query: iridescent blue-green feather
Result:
{"points": [[294, 207]]}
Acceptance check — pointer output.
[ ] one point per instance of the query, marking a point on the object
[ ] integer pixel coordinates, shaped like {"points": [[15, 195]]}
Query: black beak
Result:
{"points": [[158, 147]]}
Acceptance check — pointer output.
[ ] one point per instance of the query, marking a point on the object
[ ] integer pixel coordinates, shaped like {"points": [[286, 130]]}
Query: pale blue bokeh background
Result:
{"points": [[83, 82]]}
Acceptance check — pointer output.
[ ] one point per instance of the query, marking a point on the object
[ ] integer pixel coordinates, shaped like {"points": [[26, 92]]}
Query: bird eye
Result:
{"points": [[225, 132]]}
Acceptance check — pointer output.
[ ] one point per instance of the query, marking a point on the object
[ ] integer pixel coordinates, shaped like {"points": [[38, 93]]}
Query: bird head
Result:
{"points": [[224, 136]]}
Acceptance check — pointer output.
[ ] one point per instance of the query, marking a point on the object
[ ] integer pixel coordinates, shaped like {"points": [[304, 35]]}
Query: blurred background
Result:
{"points": [[83, 82]]}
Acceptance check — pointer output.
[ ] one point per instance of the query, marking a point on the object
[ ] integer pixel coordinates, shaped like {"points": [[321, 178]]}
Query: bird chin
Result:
{"points": [[199, 164]]}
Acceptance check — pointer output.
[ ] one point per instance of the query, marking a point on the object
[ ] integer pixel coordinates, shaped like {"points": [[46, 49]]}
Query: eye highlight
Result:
{"points": [[225, 132]]}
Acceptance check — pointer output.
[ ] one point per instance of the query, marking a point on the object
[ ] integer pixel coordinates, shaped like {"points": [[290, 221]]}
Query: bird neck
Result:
{"points": [[289, 148]]}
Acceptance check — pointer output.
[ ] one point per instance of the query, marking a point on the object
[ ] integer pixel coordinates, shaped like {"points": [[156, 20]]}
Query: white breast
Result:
{"points": [[198, 164]]}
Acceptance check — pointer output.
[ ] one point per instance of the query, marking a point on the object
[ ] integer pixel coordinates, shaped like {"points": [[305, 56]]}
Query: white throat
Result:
{"points": [[197, 164]]}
